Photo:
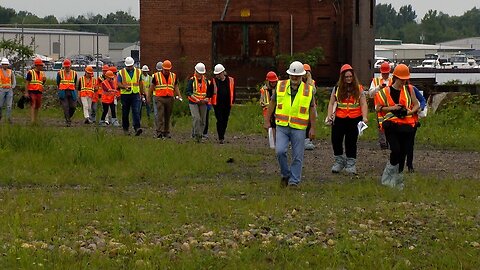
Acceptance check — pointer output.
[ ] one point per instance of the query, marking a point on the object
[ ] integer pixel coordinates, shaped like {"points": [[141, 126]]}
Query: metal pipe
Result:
{"points": [[225, 10]]}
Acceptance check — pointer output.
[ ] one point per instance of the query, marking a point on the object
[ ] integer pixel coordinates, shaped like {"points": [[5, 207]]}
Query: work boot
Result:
{"points": [[284, 181], [115, 122], [350, 166], [138, 132], [339, 164], [309, 145]]}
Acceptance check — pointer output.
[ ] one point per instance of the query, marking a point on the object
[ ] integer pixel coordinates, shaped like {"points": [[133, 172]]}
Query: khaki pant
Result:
{"points": [[199, 115], [164, 113]]}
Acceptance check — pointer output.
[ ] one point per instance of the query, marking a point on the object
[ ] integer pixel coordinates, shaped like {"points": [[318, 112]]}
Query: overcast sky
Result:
{"points": [[450, 7], [65, 8]]}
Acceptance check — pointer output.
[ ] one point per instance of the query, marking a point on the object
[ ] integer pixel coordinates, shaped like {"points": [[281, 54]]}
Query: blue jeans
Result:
{"points": [[130, 101], [6, 97], [296, 137]]}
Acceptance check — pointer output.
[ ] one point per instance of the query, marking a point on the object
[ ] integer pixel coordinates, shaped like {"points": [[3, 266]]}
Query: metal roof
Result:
{"points": [[414, 46], [45, 31]]}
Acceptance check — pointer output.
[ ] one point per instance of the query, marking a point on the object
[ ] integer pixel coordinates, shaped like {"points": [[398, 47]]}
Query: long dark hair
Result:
{"points": [[348, 90]]}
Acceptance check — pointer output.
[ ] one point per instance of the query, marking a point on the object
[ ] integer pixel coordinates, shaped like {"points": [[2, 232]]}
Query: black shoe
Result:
{"points": [[284, 181], [167, 135], [159, 136], [292, 185], [384, 146], [138, 131], [411, 170], [221, 141]]}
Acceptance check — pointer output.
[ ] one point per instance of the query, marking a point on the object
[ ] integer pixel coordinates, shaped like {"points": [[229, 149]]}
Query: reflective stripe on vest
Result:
{"points": [[133, 82], [215, 90], [377, 80], [86, 87], [264, 96], [199, 92], [108, 96], [6, 80], [348, 107], [67, 82], [163, 87], [36, 84], [296, 114], [385, 100]]}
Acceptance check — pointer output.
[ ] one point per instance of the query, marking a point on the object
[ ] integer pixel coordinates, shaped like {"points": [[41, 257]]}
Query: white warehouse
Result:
{"points": [[58, 43]]}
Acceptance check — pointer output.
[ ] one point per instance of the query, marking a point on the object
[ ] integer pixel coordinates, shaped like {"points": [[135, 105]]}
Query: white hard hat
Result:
{"points": [[200, 68], [5, 61], [145, 68], [129, 61], [219, 68], [159, 66], [296, 69]]}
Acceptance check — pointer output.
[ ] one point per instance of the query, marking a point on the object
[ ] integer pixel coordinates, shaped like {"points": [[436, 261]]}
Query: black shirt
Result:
{"points": [[395, 94], [223, 91]]}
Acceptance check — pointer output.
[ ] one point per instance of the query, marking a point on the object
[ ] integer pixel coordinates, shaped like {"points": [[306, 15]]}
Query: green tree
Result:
{"points": [[16, 52]]}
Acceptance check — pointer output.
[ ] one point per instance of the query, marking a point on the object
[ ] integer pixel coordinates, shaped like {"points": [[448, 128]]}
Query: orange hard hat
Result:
{"points": [[167, 65], [385, 67], [109, 74], [38, 62], [345, 67], [113, 69], [89, 69], [307, 67], [67, 63], [105, 68], [272, 76], [402, 72]]}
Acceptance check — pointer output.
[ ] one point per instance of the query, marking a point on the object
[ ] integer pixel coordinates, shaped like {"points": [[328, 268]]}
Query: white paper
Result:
{"points": [[271, 140], [361, 127]]}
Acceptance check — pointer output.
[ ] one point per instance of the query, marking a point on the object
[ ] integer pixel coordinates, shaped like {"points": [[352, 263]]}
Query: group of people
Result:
{"points": [[289, 108], [134, 88]]}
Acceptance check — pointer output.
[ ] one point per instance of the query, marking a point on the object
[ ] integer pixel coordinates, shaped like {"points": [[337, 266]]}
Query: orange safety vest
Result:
{"points": [[67, 82], [36, 84], [384, 99], [109, 92], [215, 90], [163, 87], [348, 107], [86, 87], [6, 80], [377, 80], [199, 92]]}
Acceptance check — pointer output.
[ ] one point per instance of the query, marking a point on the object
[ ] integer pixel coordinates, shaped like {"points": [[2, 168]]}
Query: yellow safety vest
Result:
{"points": [[134, 81], [296, 114]]}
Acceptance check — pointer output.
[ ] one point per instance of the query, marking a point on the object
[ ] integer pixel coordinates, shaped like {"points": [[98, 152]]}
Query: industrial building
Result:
{"points": [[246, 36], [58, 43]]}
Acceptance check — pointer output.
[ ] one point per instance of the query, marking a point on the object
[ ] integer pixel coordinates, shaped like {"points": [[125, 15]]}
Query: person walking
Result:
{"points": [[98, 93], [66, 82], [147, 79], [396, 106], [376, 85], [223, 99], [294, 109], [351, 109], [34, 83], [7, 84], [266, 93], [109, 95], [163, 89], [198, 91], [423, 103], [131, 88], [86, 87], [307, 78]]}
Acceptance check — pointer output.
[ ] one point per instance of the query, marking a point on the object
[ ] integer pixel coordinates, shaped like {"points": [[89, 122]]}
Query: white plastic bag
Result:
{"points": [[271, 140], [423, 113]]}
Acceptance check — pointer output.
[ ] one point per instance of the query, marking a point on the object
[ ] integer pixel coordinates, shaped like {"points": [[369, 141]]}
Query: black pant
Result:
{"points": [[399, 138], [69, 105], [410, 149], [345, 128], [105, 110], [222, 113]]}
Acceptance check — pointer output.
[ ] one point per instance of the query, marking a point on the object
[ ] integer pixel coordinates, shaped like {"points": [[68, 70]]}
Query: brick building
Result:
{"points": [[246, 35]]}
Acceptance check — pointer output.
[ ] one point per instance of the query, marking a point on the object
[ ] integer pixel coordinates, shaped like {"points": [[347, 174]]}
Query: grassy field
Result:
{"points": [[87, 198]]}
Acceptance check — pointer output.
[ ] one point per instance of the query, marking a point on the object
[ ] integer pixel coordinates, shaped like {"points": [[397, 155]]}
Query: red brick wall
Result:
{"points": [[181, 30]]}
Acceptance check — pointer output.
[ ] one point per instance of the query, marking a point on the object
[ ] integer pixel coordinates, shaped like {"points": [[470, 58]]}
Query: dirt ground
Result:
{"points": [[429, 162]]}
